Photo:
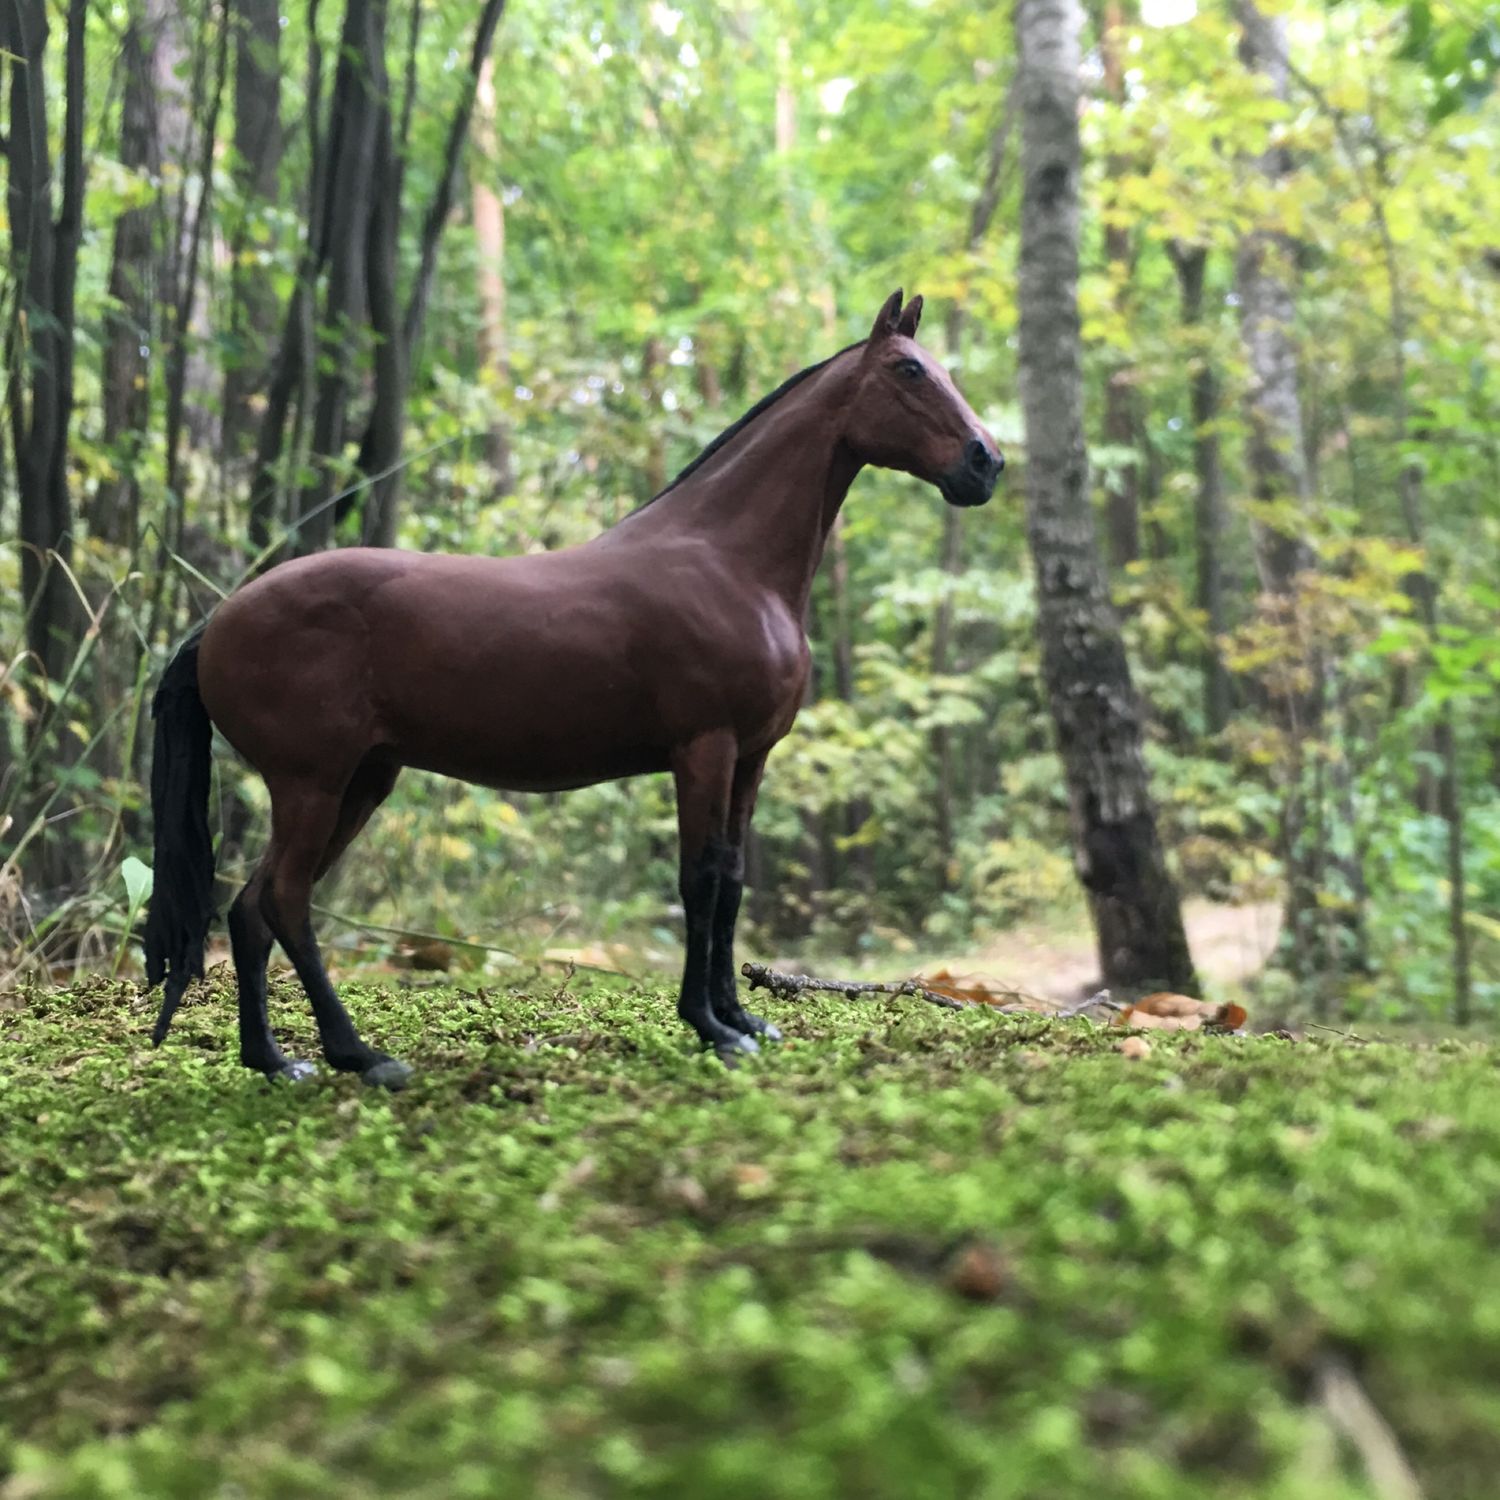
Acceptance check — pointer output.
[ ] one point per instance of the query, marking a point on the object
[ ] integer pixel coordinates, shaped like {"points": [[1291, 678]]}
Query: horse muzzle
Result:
{"points": [[971, 481]]}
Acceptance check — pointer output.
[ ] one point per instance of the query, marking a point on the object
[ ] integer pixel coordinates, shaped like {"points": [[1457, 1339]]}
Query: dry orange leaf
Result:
{"points": [[751, 1179], [428, 953], [979, 1272], [1164, 1011], [976, 989]]}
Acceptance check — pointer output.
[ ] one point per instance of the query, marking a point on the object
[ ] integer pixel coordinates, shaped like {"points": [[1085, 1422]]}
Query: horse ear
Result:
{"points": [[910, 318], [887, 319]]}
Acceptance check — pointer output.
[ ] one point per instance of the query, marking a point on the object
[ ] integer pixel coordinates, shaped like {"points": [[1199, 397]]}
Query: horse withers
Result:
{"points": [[672, 642]]}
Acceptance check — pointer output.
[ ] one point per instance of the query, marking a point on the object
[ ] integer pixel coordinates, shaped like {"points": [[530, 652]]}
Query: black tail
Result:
{"points": [[182, 894]]}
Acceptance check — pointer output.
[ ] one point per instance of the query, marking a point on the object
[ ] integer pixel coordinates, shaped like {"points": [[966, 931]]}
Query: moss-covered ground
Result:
{"points": [[908, 1253]]}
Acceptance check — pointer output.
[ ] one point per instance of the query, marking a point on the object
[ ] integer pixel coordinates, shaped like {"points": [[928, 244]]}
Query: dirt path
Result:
{"points": [[1229, 943]]}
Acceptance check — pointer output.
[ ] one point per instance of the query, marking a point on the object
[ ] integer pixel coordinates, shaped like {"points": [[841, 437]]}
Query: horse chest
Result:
{"points": [[771, 683]]}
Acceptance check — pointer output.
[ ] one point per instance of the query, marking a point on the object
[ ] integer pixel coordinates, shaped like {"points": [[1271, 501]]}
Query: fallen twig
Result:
{"points": [[1348, 1036], [789, 986], [1358, 1421], [1099, 1000]]}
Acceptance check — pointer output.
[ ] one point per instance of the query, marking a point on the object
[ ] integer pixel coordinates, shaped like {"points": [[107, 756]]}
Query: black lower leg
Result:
{"points": [[250, 943], [700, 897], [343, 1047], [722, 981]]}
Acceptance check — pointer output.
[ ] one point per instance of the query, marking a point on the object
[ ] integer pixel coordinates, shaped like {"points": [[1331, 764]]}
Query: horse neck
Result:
{"points": [[771, 496]]}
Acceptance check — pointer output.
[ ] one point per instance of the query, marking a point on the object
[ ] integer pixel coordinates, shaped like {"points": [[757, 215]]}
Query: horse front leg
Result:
{"points": [[704, 774], [723, 981]]}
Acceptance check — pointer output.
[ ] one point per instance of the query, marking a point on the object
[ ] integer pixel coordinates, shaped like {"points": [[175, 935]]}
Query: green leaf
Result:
{"points": [[138, 881]]}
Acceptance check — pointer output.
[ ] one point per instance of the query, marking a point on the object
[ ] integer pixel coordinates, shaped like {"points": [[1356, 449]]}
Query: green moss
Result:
{"points": [[577, 1258]]}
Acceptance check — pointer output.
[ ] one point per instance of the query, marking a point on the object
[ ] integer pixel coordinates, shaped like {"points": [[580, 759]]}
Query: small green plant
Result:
{"points": [[138, 883]]}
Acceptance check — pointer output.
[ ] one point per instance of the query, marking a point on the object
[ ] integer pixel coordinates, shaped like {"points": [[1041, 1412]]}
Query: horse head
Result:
{"points": [[907, 414]]}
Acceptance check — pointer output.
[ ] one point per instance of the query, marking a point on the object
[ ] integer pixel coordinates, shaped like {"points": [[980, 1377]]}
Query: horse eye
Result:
{"points": [[909, 369]]}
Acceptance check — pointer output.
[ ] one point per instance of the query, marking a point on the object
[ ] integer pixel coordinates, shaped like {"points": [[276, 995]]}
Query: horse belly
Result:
{"points": [[532, 720], [528, 763]]}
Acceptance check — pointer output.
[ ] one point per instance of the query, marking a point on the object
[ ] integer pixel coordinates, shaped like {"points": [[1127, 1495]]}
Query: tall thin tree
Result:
{"points": [[39, 358], [259, 144], [1323, 931], [1190, 261], [1095, 711], [44, 261]]}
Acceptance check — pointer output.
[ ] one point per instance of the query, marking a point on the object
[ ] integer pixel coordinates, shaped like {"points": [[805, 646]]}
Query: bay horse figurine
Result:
{"points": [[671, 642]]}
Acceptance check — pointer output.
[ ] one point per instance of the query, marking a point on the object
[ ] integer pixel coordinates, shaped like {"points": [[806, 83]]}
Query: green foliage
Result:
{"points": [[579, 1258]]}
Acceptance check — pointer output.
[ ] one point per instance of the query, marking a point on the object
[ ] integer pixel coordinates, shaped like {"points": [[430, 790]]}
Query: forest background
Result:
{"points": [[404, 271]]}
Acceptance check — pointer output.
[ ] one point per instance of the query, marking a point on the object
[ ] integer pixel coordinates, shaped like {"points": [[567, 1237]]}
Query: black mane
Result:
{"points": [[735, 428]]}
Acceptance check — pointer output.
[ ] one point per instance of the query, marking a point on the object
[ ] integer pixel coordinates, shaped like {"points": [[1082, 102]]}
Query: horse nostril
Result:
{"points": [[981, 461]]}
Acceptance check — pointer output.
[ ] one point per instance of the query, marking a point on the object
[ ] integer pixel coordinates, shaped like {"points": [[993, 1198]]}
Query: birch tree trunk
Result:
{"points": [[1095, 711], [1323, 930], [1122, 421], [489, 232]]}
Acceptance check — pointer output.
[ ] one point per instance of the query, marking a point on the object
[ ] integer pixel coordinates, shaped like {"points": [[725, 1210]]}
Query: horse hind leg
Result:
{"points": [[370, 785], [307, 821], [250, 942]]}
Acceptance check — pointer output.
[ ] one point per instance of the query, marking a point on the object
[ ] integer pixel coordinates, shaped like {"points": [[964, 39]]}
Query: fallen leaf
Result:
{"points": [[751, 1179], [976, 989], [428, 953], [1164, 1011], [978, 1272], [1134, 1048]]}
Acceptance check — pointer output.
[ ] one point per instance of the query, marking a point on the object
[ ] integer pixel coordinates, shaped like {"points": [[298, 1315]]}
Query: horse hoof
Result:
{"points": [[388, 1073], [732, 1050], [295, 1069]]}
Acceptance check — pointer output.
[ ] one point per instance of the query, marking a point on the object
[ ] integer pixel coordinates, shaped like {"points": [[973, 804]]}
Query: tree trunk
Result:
{"points": [[185, 68], [1321, 937], [951, 555], [942, 736], [130, 323], [489, 232], [1096, 714], [259, 143], [1191, 263], [859, 856], [39, 380], [351, 254], [380, 453], [186, 365], [1424, 589], [359, 100], [1122, 490], [653, 357], [295, 352], [44, 263]]}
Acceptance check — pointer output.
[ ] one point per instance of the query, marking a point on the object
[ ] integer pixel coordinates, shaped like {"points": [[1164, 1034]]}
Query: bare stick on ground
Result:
{"points": [[789, 986]]}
